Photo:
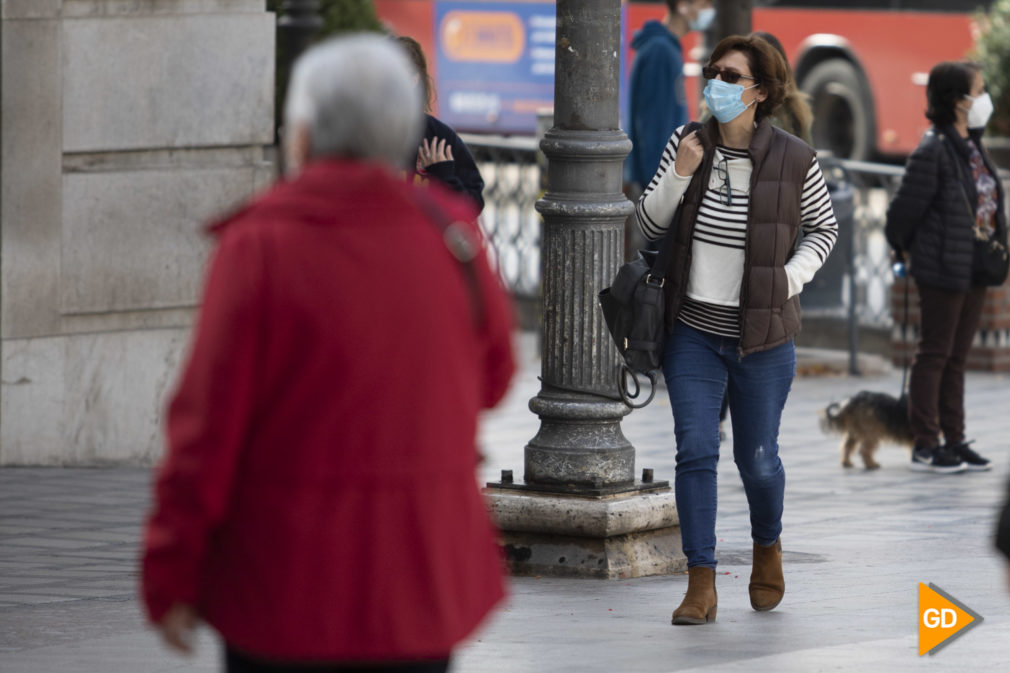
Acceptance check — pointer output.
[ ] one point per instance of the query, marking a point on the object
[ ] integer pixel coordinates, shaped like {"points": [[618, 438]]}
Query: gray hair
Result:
{"points": [[356, 96]]}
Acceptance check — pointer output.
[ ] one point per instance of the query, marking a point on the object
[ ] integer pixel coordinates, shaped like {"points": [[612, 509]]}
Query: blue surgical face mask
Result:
{"points": [[725, 100], [704, 19]]}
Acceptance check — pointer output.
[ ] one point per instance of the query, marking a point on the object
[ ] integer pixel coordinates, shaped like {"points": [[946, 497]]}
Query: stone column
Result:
{"points": [[579, 510]]}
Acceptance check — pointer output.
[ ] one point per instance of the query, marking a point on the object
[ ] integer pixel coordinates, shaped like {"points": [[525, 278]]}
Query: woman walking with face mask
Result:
{"points": [[739, 194], [950, 195]]}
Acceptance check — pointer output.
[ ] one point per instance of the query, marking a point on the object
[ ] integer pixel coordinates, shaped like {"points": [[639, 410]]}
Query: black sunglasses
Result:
{"points": [[728, 76]]}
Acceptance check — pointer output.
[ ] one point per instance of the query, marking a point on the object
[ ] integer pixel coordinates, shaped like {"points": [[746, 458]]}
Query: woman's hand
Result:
{"points": [[178, 627], [435, 152], [689, 155]]}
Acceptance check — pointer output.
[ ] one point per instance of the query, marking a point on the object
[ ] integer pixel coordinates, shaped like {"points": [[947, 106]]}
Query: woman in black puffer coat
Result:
{"points": [[442, 154], [950, 194]]}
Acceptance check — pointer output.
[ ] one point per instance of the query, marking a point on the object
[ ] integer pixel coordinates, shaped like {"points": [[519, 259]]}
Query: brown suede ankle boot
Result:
{"points": [[767, 585], [700, 601]]}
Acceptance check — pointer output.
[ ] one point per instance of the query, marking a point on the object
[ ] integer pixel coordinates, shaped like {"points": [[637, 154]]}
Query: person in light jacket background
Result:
{"points": [[318, 505], [950, 194]]}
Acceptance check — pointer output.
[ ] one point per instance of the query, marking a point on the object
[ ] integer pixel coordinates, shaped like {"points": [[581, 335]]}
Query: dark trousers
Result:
{"points": [[236, 662], [948, 321]]}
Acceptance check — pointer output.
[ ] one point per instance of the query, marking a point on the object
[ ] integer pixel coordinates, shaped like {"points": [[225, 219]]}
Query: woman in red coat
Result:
{"points": [[318, 504]]}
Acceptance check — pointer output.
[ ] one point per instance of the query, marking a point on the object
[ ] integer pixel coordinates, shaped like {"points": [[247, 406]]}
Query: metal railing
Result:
{"points": [[868, 279], [512, 170]]}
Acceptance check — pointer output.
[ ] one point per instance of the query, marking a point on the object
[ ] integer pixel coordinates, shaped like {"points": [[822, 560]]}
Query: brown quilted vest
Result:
{"points": [[781, 162]]}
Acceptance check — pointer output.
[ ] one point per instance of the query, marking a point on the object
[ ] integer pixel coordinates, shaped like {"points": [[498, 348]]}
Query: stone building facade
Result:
{"points": [[126, 125]]}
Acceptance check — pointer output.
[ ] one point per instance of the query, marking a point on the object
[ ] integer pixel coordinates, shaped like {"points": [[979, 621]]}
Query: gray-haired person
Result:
{"points": [[317, 505]]}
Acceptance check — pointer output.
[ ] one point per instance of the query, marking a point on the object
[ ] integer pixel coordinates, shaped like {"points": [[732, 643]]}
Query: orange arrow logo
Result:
{"points": [[941, 618]]}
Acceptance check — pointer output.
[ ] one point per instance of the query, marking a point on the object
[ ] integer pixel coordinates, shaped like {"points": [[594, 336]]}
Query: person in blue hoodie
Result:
{"points": [[658, 99]]}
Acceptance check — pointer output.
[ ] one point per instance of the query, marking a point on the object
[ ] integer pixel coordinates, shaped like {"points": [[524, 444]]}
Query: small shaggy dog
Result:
{"points": [[866, 419]]}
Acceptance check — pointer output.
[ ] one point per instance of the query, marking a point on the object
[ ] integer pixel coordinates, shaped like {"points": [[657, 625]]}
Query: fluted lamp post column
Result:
{"points": [[579, 510]]}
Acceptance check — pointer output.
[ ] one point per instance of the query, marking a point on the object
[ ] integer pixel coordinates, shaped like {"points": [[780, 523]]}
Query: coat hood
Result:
{"points": [[652, 30]]}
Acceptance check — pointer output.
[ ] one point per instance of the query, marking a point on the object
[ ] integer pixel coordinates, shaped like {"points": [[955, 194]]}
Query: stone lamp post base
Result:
{"points": [[608, 537]]}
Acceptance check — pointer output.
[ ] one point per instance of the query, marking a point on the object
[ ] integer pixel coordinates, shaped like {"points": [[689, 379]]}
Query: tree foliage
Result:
{"points": [[992, 50], [349, 16]]}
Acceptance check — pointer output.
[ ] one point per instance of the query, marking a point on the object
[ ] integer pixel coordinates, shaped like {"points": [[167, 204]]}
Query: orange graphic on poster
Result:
{"points": [[486, 37], [941, 618]]}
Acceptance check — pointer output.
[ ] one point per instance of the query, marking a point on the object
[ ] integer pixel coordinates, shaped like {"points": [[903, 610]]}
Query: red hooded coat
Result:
{"points": [[318, 498]]}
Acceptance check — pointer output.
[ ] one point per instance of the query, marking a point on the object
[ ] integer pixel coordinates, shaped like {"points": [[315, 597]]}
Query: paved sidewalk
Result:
{"points": [[856, 545]]}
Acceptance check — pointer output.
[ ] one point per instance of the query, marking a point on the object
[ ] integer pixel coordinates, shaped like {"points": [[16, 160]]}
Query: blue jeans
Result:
{"points": [[700, 368]]}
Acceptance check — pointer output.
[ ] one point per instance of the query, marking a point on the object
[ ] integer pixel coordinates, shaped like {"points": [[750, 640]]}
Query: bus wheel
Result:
{"points": [[843, 110]]}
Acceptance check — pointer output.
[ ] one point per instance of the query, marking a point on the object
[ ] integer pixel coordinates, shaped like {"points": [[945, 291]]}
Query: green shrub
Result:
{"points": [[993, 51], [348, 16]]}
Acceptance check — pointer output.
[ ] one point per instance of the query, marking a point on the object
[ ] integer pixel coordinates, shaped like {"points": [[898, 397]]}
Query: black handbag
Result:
{"points": [[990, 261], [634, 308]]}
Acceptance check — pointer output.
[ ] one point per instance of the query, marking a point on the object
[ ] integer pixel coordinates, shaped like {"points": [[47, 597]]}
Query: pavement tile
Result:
{"points": [[31, 599], [856, 544], [45, 541]]}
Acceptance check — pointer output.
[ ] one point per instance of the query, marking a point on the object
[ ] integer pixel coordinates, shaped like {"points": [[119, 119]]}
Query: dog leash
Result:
{"points": [[904, 339]]}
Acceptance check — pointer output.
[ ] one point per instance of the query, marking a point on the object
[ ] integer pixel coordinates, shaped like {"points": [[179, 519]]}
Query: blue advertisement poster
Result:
{"points": [[495, 64]]}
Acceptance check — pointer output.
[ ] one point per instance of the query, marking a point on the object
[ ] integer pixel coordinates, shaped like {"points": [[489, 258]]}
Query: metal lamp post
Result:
{"points": [[298, 23], [732, 17], [579, 510]]}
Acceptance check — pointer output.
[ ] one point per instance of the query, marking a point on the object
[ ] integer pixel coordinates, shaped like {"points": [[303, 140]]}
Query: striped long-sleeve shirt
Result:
{"points": [[713, 289]]}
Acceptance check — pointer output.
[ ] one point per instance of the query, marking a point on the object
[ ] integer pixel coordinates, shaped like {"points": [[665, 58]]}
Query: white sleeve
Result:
{"points": [[659, 201], [819, 230]]}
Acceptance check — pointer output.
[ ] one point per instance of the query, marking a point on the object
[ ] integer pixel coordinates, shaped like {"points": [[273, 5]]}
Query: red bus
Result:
{"points": [[864, 63]]}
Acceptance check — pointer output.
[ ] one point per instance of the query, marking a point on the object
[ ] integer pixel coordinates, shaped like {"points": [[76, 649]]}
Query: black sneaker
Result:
{"points": [[939, 459], [921, 459], [972, 460]]}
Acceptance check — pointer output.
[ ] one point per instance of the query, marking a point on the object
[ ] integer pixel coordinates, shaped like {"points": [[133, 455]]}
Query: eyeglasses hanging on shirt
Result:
{"points": [[722, 172]]}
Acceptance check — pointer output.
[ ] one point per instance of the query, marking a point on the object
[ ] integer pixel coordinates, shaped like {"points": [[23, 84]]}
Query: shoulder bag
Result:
{"points": [[634, 306]]}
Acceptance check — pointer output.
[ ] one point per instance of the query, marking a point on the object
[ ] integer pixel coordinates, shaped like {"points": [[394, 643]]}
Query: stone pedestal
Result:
{"points": [[603, 537], [125, 127]]}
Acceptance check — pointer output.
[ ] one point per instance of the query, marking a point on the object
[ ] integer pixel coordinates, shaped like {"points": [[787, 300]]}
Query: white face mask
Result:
{"points": [[705, 18], [980, 111]]}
